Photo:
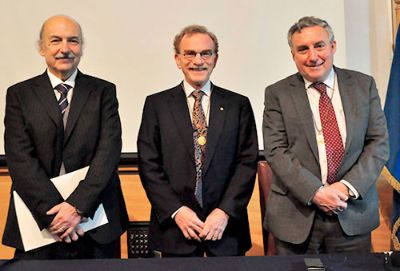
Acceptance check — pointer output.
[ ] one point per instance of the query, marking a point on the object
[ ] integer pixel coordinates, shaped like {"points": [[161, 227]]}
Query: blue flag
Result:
{"points": [[392, 113]]}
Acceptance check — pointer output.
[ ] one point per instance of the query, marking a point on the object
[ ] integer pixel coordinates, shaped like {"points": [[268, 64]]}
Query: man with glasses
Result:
{"points": [[197, 157]]}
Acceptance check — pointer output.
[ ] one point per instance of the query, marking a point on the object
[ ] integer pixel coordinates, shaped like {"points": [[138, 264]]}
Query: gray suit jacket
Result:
{"points": [[291, 150]]}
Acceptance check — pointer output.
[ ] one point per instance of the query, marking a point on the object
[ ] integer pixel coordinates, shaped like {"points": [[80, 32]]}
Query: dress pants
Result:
{"points": [[326, 236]]}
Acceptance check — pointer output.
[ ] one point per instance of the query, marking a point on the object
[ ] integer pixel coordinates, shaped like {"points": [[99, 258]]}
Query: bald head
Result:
{"points": [[56, 19], [60, 44]]}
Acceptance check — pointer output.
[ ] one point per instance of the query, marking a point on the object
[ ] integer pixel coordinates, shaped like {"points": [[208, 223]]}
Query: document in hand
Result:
{"points": [[32, 236]]}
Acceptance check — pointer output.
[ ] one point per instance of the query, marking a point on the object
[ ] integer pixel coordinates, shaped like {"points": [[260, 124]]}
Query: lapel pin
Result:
{"points": [[221, 109]]}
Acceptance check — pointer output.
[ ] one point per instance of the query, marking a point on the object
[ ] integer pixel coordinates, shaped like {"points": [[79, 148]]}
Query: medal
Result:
{"points": [[201, 140]]}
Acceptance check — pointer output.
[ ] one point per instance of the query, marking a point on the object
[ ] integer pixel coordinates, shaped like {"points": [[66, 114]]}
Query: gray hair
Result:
{"points": [[194, 29], [309, 21]]}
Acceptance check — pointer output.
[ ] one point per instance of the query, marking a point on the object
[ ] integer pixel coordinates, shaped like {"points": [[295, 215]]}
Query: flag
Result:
{"points": [[392, 113]]}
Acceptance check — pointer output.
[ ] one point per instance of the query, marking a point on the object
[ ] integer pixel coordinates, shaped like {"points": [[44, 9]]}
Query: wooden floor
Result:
{"points": [[139, 210]]}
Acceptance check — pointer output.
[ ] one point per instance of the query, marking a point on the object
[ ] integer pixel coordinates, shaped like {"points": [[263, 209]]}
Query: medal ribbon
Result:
{"points": [[199, 139]]}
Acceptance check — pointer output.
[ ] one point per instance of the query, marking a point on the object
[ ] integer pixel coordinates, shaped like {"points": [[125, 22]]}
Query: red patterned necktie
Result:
{"points": [[63, 102], [199, 139], [333, 140]]}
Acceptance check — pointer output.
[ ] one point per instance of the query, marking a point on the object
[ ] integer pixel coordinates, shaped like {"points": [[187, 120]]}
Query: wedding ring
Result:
{"points": [[63, 229]]}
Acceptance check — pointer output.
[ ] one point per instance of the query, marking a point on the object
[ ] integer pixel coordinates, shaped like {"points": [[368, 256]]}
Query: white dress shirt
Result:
{"points": [[55, 81], [205, 101], [313, 98]]}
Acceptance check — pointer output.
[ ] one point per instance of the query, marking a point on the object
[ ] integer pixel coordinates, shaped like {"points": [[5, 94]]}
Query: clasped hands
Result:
{"points": [[195, 229], [65, 223], [332, 199]]}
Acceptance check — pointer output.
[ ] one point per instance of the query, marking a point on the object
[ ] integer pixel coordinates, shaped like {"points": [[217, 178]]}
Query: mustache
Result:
{"points": [[68, 55]]}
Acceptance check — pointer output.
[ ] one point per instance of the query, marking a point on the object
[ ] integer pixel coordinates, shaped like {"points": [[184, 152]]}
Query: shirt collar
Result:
{"points": [[55, 81], [329, 81], [189, 89]]}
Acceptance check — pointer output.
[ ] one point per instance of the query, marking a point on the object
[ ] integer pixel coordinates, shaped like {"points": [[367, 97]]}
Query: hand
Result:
{"points": [[65, 221], [340, 187], [74, 235], [330, 200], [215, 225], [189, 223]]}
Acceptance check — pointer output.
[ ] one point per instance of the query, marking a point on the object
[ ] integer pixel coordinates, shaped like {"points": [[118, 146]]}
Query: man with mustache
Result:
{"points": [[55, 123], [326, 141], [197, 157]]}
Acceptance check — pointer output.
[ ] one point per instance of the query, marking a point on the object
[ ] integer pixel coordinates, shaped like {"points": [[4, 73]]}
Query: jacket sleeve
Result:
{"points": [[240, 188], [154, 179], [371, 156], [288, 156], [105, 158], [29, 179]]}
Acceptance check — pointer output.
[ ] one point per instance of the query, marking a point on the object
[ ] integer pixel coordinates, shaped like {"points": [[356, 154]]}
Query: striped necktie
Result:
{"points": [[63, 101]]}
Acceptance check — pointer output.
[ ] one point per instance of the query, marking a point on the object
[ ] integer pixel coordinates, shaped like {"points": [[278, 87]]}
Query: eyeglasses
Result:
{"points": [[205, 55]]}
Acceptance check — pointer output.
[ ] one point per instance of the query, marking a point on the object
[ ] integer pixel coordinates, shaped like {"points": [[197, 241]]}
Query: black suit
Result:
{"points": [[36, 145], [167, 167]]}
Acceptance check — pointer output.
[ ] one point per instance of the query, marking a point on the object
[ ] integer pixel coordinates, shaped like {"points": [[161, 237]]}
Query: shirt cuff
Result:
{"points": [[174, 213], [353, 193], [310, 202]]}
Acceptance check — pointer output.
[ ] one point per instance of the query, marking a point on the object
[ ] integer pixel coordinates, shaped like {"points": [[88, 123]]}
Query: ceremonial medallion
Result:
{"points": [[201, 140]]}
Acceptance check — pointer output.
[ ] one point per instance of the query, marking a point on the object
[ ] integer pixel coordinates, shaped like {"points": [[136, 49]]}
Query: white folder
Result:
{"points": [[32, 236]]}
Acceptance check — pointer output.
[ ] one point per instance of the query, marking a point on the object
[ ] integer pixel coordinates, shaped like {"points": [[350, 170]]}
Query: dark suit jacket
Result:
{"points": [[167, 168], [291, 150], [36, 145]]}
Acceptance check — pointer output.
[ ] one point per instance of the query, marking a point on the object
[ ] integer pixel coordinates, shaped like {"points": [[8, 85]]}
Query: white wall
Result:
{"points": [[130, 43], [369, 39], [381, 43], [357, 35]]}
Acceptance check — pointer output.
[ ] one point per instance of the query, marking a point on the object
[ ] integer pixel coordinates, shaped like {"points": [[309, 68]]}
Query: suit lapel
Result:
{"points": [[218, 109], [177, 103], [82, 90], [346, 88], [45, 94], [300, 100]]}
